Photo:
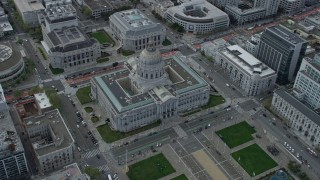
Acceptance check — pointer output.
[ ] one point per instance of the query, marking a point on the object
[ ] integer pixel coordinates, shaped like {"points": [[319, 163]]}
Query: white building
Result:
{"points": [[51, 140], [69, 172], [252, 45], [271, 6], [29, 9], [50, 3], [13, 163], [212, 48], [244, 16], [292, 6], [308, 81], [303, 121], [198, 17], [135, 30], [147, 89], [160, 7], [250, 74], [65, 43]]}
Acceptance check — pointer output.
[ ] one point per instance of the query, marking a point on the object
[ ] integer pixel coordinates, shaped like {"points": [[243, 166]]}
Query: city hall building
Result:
{"points": [[148, 88]]}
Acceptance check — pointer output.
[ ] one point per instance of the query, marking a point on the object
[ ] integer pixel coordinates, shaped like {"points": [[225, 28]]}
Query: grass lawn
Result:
{"points": [[237, 134], [102, 60], [102, 37], [191, 112], [56, 70], [166, 42], [214, 101], [181, 177], [154, 167], [83, 95], [88, 109], [127, 52], [110, 136], [254, 160], [94, 119]]}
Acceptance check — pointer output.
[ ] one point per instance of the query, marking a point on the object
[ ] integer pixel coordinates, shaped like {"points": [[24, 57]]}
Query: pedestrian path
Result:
{"points": [[104, 168], [91, 153], [180, 131]]}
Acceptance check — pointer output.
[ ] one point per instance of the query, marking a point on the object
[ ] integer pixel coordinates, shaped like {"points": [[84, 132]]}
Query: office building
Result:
{"points": [[69, 172], [29, 10], [66, 44], [210, 49], [135, 31], [313, 20], [244, 16], [307, 83], [148, 88], [252, 45], [97, 7], [271, 6], [304, 122], [198, 17], [51, 140], [283, 51], [13, 163], [292, 6], [160, 7], [50, 3], [223, 3], [250, 74], [11, 62]]}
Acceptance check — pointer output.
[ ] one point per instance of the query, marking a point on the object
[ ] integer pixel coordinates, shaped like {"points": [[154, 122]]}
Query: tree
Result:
{"points": [[35, 89], [86, 11], [17, 93], [294, 167], [94, 173], [20, 41]]}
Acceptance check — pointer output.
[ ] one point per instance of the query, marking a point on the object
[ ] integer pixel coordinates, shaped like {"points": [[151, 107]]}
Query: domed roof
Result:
{"points": [[150, 56]]}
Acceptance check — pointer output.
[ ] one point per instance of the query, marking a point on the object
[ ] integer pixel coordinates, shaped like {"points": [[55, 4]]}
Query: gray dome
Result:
{"points": [[150, 56]]}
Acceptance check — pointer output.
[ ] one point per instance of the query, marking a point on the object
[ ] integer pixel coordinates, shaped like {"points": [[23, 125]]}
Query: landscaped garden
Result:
{"points": [[254, 160], [214, 100], [88, 109], [56, 70], [83, 94], [237, 134], [94, 119], [181, 177], [154, 167], [109, 136], [102, 37]]}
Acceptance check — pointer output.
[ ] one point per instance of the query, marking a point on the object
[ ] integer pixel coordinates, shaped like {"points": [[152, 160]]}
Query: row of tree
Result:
{"points": [[296, 169]]}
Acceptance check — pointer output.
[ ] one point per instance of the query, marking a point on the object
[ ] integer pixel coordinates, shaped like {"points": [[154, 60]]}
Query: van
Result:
{"points": [[79, 149]]}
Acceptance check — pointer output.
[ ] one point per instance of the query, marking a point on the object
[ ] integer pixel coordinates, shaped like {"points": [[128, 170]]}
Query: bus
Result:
{"points": [[109, 177], [250, 28]]}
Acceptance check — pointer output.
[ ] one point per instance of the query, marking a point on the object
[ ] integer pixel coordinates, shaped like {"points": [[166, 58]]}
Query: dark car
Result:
{"points": [[98, 156]]}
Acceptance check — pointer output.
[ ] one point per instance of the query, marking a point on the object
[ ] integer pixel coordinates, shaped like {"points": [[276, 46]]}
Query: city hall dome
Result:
{"points": [[150, 56]]}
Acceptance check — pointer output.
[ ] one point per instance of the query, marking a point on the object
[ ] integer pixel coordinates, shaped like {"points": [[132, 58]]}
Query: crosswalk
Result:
{"points": [[179, 131], [91, 153], [104, 168]]}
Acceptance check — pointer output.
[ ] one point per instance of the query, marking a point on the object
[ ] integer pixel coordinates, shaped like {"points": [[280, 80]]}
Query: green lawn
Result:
{"points": [[254, 160], [88, 109], [181, 177], [214, 101], [154, 167], [237, 134], [83, 95], [110, 136], [94, 119], [56, 70], [102, 60], [102, 37]]}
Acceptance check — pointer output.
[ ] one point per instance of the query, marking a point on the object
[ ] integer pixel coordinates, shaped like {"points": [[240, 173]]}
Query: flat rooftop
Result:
{"points": [[250, 64], [25, 6], [285, 34], [246, 11], [67, 36], [314, 18], [188, 80], [133, 18], [53, 120], [304, 109], [9, 56], [54, 13], [42, 100], [70, 172]]}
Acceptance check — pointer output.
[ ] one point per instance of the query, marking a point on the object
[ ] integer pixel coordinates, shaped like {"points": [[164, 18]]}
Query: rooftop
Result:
{"points": [[56, 13], [5, 24], [97, 4], [246, 11], [70, 172], [26, 6], [133, 18], [8, 55], [304, 109], [250, 64], [42, 100], [60, 134], [314, 19], [283, 33], [9, 139], [182, 77]]}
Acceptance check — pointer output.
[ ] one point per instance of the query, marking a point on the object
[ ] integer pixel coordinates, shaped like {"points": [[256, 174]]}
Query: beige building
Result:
{"points": [[29, 9]]}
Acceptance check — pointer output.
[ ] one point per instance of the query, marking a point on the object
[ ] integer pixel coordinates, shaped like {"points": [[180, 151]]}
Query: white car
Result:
{"points": [[227, 85]]}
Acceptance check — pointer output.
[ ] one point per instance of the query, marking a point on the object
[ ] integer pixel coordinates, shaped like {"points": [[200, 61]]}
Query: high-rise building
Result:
{"points": [[283, 51], [307, 83], [292, 6], [271, 6], [13, 163], [224, 3]]}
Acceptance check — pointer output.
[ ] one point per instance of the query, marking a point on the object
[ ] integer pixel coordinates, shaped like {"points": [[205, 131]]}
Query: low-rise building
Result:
{"points": [[198, 17], [51, 140], [98, 7], [212, 48], [250, 74], [28, 10], [303, 121], [50, 3], [160, 7], [69, 172], [313, 20], [245, 16], [11, 62], [13, 163], [135, 30], [252, 45], [292, 6], [148, 89]]}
